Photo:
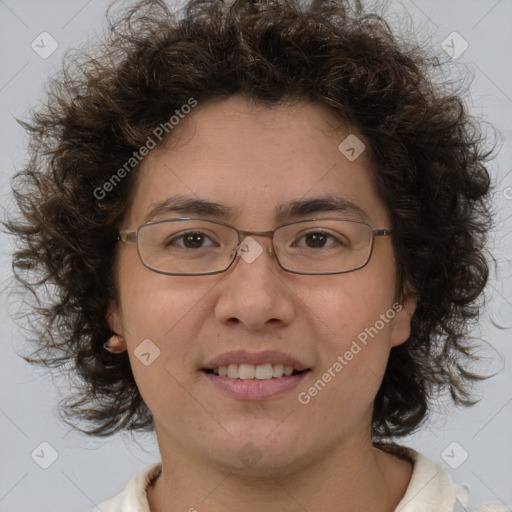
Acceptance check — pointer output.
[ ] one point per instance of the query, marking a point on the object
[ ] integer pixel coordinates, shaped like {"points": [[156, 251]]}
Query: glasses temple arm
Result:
{"points": [[127, 236]]}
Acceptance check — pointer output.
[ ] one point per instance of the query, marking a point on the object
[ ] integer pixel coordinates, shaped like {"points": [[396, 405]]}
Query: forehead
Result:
{"points": [[256, 163]]}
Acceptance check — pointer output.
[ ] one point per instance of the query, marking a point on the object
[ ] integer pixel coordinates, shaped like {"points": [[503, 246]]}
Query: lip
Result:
{"points": [[254, 390], [255, 358]]}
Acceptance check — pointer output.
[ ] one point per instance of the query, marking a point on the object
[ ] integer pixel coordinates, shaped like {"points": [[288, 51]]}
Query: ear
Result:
{"points": [[114, 319], [402, 323]]}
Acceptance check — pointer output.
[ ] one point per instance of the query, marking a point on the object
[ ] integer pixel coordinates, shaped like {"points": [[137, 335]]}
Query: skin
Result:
{"points": [[317, 456]]}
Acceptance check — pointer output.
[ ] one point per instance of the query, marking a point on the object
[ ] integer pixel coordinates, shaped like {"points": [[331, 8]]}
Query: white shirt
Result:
{"points": [[430, 489]]}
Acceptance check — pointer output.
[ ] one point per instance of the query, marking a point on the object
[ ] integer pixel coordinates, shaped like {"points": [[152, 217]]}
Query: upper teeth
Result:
{"points": [[250, 371]]}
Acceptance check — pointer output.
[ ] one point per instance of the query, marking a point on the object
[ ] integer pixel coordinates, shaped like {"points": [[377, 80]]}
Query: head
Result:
{"points": [[272, 91]]}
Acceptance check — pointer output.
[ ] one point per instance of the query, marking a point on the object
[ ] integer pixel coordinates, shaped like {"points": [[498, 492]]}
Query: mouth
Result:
{"points": [[254, 376], [266, 371], [253, 383]]}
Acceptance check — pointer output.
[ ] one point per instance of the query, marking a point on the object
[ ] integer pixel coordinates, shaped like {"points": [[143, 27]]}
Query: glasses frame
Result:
{"points": [[132, 236]]}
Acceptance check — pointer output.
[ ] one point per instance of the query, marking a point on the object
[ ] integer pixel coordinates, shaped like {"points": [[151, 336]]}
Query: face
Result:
{"points": [[253, 160]]}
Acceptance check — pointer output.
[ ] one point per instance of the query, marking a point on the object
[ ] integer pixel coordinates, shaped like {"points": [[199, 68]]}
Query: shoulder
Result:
{"points": [[134, 497], [431, 487]]}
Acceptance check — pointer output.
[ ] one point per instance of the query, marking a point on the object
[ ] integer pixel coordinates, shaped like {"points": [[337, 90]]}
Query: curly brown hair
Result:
{"points": [[427, 152]]}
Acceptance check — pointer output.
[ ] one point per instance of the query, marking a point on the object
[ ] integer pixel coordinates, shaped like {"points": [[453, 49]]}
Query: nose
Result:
{"points": [[253, 291]]}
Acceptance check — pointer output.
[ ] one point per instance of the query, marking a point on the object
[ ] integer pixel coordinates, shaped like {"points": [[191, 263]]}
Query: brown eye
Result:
{"points": [[318, 240], [190, 240]]}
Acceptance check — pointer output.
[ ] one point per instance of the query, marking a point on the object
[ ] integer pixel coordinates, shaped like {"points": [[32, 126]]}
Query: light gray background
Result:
{"points": [[88, 471]]}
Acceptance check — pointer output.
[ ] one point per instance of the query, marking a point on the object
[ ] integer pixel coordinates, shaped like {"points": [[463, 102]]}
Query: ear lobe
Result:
{"points": [[402, 322]]}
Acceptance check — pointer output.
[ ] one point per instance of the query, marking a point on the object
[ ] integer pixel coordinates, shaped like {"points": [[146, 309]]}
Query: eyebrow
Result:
{"points": [[290, 210]]}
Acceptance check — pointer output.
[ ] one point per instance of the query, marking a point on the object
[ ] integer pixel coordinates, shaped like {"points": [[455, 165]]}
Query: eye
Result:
{"points": [[190, 240], [319, 239]]}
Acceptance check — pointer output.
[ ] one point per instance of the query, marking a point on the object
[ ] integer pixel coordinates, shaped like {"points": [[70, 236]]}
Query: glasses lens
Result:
{"points": [[186, 246], [323, 246]]}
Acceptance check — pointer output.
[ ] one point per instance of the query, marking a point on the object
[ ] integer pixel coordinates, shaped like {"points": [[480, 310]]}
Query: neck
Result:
{"points": [[355, 476]]}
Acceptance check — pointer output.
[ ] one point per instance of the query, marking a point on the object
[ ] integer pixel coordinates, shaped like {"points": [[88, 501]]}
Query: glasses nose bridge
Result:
{"points": [[243, 234]]}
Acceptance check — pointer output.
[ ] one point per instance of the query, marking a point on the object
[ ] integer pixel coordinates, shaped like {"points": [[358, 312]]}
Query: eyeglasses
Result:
{"points": [[187, 246]]}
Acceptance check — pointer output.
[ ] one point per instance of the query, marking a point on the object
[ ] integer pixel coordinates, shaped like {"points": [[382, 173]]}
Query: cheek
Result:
{"points": [[170, 320], [162, 327], [154, 305], [160, 318], [355, 320], [353, 302], [350, 370]]}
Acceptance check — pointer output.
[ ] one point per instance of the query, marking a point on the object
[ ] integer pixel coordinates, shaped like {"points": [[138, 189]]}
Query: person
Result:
{"points": [[259, 230]]}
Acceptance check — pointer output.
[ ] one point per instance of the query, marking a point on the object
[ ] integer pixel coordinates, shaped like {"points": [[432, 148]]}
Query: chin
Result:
{"points": [[259, 453]]}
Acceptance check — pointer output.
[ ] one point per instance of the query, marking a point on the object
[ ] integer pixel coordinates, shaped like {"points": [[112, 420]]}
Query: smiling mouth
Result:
{"points": [[254, 372]]}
